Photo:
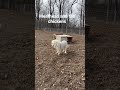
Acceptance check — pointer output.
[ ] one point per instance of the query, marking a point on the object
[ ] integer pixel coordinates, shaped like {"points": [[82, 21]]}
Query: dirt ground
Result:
{"points": [[64, 72], [103, 56], [16, 51]]}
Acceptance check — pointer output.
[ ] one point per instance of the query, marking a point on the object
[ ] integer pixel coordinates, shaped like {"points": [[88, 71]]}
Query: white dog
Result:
{"points": [[60, 46]]}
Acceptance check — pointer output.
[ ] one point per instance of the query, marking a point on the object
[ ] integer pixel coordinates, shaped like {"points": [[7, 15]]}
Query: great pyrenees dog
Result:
{"points": [[60, 46]]}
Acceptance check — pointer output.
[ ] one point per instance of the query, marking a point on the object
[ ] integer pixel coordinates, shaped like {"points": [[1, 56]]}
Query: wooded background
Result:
{"points": [[107, 10], [18, 5], [61, 7]]}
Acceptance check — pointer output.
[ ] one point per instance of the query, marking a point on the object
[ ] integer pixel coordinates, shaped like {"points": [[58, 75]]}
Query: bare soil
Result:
{"points": [[103, 56], [16, 51], [64, 72]]}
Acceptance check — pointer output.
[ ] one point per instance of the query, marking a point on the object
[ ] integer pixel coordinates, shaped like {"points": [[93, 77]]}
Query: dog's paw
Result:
{"points": [[58, 54], [65, 52]]}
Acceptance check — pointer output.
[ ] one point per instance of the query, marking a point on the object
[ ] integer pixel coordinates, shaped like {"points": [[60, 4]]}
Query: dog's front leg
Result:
{"points": [[65, 50], [58, 51]]}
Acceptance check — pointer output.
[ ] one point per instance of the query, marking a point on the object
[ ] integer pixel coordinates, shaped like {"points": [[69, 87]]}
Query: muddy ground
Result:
{"points": [[64, 72]]}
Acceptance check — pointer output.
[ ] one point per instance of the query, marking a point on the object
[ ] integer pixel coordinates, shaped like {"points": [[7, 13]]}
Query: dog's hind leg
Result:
{"points": [[58, 51], [64, 50]]}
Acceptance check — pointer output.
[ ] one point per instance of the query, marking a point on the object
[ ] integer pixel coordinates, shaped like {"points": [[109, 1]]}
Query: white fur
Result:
{"points": [[60, 46]]}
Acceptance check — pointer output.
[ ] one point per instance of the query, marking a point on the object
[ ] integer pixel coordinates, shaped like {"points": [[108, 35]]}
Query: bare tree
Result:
{"points": [[38, 6], [69, 11], [115, 10], [81, 11], [114, 5], [108, 7], [65, 6], [51, 4], [60, 5]]}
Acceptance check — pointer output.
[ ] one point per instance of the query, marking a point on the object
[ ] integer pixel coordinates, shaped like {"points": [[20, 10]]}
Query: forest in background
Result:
{"points": [[18, 5], [107, 10], [61, 7]]}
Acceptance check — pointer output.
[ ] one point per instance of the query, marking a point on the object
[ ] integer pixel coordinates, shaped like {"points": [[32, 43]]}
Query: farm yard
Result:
{"points": [[64, 72]]}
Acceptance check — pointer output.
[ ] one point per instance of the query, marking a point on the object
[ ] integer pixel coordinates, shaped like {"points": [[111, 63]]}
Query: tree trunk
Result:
{"points": [[115, 10], [38, 19], [107, 18], [60, 9], [8, 4]]}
